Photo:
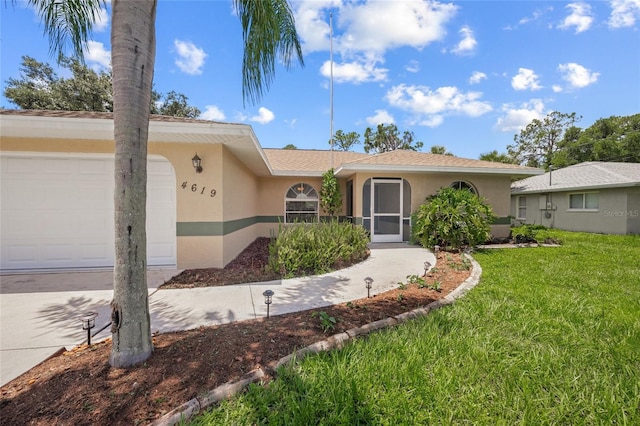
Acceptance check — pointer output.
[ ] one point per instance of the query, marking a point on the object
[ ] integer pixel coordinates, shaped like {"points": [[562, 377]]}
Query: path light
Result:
{"points": [[88, 322], [427, 265], [368, 282], [436, 249], [267, 299]]}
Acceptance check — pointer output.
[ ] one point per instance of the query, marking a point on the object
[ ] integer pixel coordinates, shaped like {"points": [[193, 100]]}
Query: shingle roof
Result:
{"points": [[402, 157], [588, 175], [285, 162], [98, 115], [307, 160]]}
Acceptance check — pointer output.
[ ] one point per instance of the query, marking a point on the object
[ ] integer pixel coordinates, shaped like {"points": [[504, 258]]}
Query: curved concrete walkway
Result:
{"points": [[35, 324]]}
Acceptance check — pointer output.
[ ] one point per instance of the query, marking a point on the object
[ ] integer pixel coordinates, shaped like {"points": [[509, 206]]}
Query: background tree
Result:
{"points": [[268, 31], [330, 196], [387, 138], [607, 139], [39, 87], [440, 150], [176, 105], [536, 144], [290, 146], [497, 157], [344, 141]]}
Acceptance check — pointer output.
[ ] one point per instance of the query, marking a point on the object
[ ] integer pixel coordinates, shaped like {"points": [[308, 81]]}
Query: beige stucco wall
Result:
{"points": [[193, 203], [495, 188], [618, 212]]}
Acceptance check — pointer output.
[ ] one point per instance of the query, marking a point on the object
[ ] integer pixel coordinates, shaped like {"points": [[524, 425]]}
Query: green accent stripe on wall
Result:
{"points": [[502, 221], [217, 229]]}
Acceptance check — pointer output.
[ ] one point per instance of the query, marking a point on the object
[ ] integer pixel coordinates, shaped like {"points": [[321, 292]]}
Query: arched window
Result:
{"points": [[301, 204], [460, 184]]}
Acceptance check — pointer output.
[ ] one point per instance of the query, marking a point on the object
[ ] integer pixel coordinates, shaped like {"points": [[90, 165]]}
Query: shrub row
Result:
{"points": [[309, 249]]}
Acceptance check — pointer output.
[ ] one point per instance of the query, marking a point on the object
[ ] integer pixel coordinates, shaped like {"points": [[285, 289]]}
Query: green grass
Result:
{"points": [[550, 336]]}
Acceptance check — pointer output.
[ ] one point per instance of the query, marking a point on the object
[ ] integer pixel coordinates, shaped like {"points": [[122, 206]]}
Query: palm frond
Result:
{"points": [[269, 32], [68, 21]]}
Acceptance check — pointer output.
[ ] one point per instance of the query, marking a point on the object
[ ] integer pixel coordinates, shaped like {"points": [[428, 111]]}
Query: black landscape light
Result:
{"points": [[268, 294], [368, 282], [427, 265], [88, 322]]}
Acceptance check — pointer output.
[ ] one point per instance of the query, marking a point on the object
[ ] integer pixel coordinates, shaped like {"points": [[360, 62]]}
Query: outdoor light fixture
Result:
{"points": [[427, 265], [436, 249], [197, 163], [88, 322], [267, 299], [368, 282]]}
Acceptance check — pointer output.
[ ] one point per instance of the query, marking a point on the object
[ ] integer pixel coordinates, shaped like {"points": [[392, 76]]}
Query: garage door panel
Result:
{"points": [[20, 253], [58, 212]]}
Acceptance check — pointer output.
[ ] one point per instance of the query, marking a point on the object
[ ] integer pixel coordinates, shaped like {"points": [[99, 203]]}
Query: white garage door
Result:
{"points": [[57, 212]]}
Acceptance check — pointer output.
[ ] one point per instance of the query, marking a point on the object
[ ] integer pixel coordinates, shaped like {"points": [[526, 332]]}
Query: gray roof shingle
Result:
{"points": [[588, 175]]}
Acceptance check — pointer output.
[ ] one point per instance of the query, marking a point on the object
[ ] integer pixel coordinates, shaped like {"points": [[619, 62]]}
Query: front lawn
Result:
{"points": [[550, 336]]}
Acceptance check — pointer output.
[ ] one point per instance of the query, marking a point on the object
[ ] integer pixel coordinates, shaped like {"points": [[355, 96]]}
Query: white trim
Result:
{"points": [[352, 168]]}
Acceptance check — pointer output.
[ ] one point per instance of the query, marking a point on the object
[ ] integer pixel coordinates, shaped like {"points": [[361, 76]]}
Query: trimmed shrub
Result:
{"points": [[316, 248], [452, 218]]}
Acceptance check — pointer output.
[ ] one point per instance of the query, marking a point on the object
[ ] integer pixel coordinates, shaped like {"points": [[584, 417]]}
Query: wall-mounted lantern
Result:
{"points": [[197, 163]]}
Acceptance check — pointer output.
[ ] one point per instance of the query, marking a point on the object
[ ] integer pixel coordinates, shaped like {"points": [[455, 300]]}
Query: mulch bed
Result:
{"points": [[79, 387]]}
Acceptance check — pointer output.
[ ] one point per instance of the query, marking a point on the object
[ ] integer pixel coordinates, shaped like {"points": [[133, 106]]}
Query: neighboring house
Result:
{"points": [[57, 189], [591, 196]]}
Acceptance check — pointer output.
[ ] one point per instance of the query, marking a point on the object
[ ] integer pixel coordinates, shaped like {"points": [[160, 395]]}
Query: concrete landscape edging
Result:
{"points": [[199, 404]]}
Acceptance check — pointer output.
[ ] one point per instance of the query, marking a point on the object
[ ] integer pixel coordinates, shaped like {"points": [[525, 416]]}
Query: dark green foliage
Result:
{"points": [[387, 138], [452, 218], [307, 249], [330, 196], [344, 141], [39, 87]]}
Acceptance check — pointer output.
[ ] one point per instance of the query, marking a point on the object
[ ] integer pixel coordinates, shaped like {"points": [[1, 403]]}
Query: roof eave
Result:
{"points": [[238, 138], [347, 169], [576, 188]]}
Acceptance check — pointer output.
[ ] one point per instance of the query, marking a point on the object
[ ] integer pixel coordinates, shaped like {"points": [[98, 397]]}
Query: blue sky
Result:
{"points": [[467, 75]]}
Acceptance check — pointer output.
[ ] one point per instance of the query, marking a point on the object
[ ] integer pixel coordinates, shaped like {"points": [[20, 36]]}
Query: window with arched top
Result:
{"points": [[301, 204], [460, 184]]}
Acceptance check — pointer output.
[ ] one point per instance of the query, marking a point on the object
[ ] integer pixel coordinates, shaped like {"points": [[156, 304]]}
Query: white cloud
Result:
{"points": [[581, 17], [381, 116], [477, 77], [534, 17], [372, 26], [432, 121], [577, 75], [190, 58], [102, 20], [525, 79], [354, 72], [556, 88], [412, 66], [516, 118], [95, 53], [468, 43], [264, 116], [429, 104], [624, 13], [213, 113]]}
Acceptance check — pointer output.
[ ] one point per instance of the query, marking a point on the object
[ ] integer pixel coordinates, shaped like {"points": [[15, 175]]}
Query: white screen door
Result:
{"points": [[386, 200]]}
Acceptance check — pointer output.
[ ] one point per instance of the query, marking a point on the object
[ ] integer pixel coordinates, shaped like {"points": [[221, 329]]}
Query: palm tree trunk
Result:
{"points": [[133, 56]]}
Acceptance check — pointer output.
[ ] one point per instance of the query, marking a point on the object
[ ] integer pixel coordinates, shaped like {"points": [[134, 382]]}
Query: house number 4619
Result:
{"points": [[202, 191]]}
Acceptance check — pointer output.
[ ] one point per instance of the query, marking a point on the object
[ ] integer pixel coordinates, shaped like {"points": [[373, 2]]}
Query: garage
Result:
{"points": [[57, 212]]}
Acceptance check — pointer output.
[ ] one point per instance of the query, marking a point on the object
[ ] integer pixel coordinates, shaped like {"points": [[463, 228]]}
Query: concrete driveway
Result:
{"points": [[40, 314]]}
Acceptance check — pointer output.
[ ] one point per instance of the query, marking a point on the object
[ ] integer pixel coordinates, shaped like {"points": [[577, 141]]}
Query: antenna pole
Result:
{"points": [[331, 84]]}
